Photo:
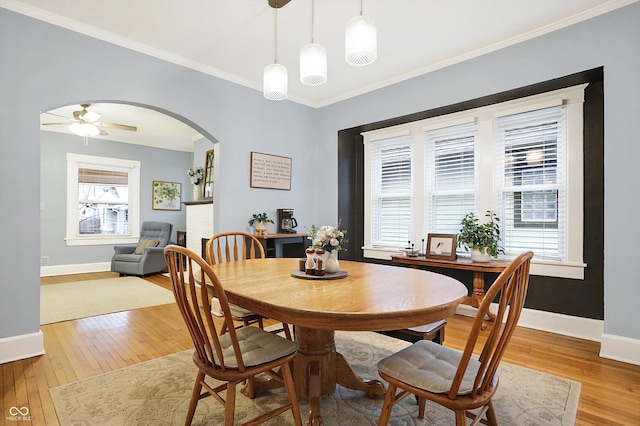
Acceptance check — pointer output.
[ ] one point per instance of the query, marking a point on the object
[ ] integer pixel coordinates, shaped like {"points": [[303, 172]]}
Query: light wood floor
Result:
{"points": [[83, 348]]}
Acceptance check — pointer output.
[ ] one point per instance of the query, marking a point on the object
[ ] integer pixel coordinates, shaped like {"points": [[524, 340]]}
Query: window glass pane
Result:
{"points": [[103, 202]]}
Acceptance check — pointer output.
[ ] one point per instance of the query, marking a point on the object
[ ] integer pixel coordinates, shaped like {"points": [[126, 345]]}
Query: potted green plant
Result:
{"points": [[483, 239], [260, 220]]}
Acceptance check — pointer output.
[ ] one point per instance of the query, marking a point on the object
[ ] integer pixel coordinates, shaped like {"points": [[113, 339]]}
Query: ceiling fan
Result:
{"points": [[85, 123]]}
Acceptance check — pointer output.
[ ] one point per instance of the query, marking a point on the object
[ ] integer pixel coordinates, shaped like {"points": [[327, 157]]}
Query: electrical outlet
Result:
{"points": [[44, 260]]}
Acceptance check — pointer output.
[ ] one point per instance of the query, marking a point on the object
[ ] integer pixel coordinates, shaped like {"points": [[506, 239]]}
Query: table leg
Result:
{"points": [[374, 389], [478, 294]]}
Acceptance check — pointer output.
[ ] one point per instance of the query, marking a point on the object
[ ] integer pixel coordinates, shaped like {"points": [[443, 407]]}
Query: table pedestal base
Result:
{"points": [[317, 368]]}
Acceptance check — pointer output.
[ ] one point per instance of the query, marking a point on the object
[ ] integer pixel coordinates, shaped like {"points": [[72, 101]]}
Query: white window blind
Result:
{"points": [[391, 191], [451, 178], [531, 182]]}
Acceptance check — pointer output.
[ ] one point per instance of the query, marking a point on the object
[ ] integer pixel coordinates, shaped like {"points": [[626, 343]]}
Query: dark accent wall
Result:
{"points": [[583, 298]]}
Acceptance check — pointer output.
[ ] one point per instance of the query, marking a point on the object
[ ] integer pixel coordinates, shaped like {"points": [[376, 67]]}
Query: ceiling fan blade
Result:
{"points": [[102, 132], [55, 124], [116, 126], [57, 115]]}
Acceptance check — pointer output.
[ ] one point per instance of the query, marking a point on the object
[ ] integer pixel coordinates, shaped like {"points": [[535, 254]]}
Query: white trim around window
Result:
{"points": [[571, 99], [132, 168]]}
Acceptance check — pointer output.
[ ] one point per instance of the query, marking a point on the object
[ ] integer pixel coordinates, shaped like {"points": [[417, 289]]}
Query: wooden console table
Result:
{"points": [[478, 269], [284, 245]]}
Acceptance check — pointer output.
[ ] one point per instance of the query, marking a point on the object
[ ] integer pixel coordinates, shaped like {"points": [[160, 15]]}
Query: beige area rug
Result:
{"points": [[157, 392], [81, 299]]}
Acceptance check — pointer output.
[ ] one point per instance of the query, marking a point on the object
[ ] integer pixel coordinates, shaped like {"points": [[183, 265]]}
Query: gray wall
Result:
{"points": [[40, 69], [155, 164], [43, 71]]}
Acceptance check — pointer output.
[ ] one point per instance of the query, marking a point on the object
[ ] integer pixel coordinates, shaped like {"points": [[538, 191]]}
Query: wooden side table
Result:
{"points": [[478, 269]]}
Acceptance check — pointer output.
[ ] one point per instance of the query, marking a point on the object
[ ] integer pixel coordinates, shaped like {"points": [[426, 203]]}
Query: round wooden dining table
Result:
{"points": [[372, 297]]}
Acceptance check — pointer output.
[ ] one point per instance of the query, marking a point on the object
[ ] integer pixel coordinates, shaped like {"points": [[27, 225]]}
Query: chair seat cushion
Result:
{"points": [[257, 347], [127, 258], [429, 366], [144, 243], [236, 310]]}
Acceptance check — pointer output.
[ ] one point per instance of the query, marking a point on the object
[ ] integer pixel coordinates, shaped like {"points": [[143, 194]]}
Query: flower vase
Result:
{"points": [[197, 192], [480, 255], [331, 263]]}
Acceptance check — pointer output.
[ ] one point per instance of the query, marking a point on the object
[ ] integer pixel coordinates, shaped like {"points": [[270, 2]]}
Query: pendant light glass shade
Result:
{"points": [[274, 83], [313, 64], [361, 41], [84, 129]]}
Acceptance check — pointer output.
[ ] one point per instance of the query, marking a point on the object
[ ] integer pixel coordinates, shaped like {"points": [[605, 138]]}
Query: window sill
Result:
{"points": [[571, 270], [101, 240]]}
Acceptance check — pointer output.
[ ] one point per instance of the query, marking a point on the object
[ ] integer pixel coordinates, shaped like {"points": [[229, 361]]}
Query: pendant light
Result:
{"points": [[361, 40], [275, 75], [313, 60]]}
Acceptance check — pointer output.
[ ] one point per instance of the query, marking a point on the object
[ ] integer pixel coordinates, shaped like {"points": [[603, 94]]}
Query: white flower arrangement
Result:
{"points": [[327, 237], [196, 174]]}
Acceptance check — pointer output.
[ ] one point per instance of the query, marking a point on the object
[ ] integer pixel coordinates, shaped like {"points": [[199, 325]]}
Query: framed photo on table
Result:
{"points": [[441, 246]]}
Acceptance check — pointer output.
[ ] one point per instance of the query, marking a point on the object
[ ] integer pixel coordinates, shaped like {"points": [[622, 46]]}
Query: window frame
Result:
{"points": [[132, 168], [571, 97]]}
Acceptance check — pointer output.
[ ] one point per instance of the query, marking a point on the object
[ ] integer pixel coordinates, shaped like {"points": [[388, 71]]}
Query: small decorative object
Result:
{"points": [[320, 267], [196, 177], [166, 195], [331, 262], [410, 250], [310, 265], [260, 220], [330, 239], [482, 239], [441, 246]]}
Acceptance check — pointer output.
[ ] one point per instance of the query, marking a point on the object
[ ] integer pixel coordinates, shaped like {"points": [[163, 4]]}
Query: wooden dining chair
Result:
{"points": [[452, 378], [232, 247], [233, 357]]}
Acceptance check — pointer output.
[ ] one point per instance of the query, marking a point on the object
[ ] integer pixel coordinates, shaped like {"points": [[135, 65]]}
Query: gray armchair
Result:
{"points": [[147, 256]]}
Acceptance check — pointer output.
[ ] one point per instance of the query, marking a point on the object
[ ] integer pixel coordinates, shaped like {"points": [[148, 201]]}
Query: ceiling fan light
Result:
{"points": [[84, 129], [274, 82], [361, 41], [90, 116], [313, 64]]}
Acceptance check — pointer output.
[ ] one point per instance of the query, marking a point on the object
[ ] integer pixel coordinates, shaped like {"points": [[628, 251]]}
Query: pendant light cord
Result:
{"points": [[275, 34], [312, 10]]}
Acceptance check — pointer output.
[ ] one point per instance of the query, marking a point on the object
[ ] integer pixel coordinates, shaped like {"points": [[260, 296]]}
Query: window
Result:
{"points": [[391, 192], [450, 190], [520, 158], [102, 200], [530, 175]]}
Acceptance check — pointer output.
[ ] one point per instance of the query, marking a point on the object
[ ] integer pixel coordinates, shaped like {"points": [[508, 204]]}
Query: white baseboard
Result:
{"points": [[21, 347], [566, 325], [80, 268], [620, 348]]}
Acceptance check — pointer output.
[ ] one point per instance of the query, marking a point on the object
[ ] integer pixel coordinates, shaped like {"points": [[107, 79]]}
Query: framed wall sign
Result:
{"points": [[270, 171], [441, 246], [166, 195]]}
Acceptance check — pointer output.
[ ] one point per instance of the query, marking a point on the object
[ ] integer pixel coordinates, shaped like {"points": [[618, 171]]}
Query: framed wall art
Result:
{"points": [[441, 246], [270, 171], [166, 195]]}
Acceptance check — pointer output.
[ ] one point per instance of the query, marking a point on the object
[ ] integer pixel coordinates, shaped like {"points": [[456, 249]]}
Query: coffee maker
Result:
{"points": [[286, 221]]}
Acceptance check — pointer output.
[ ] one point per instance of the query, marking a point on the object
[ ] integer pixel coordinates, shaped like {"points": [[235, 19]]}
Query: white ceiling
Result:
{"points": [[233, 39]]}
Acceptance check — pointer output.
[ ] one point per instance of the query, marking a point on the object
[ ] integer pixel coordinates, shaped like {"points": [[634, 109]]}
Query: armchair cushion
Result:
{"points": [[144, 243]]}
